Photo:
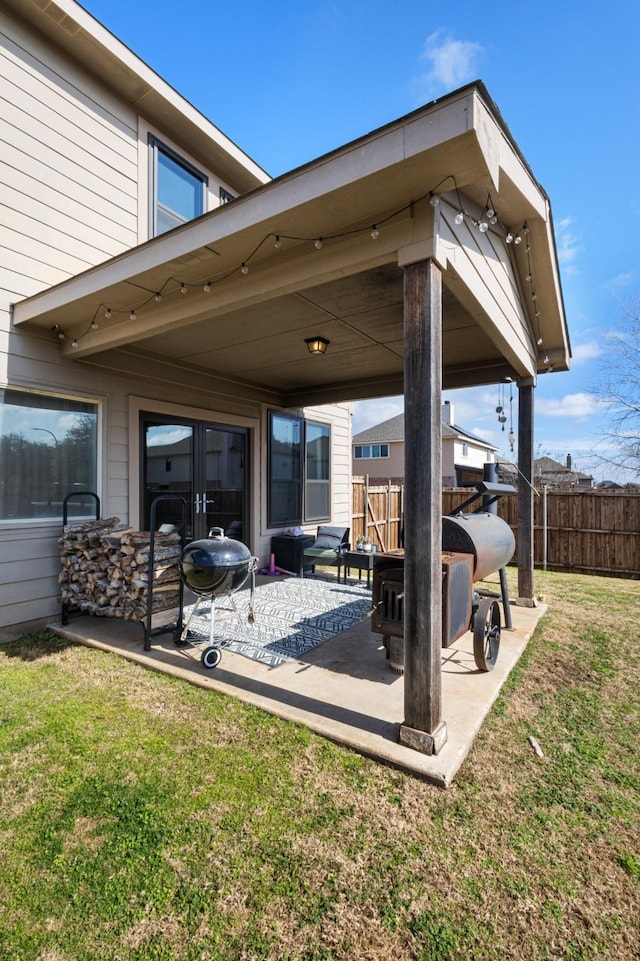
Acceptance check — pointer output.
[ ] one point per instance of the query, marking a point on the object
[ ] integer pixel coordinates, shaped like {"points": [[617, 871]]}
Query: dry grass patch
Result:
{"points": [[146, 819]]}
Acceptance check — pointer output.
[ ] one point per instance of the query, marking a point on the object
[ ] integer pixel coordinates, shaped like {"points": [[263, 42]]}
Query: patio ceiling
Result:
{"points": [[247, 332]]}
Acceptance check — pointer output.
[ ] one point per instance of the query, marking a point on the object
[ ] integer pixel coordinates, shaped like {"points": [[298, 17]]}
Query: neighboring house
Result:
{"points": [[379, 452], [550, 473]]}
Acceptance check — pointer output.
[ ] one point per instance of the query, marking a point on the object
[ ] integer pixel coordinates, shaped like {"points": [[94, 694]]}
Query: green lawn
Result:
{"points": [[143, 818]]}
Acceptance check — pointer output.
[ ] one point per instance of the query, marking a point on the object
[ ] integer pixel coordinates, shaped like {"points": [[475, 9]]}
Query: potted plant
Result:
{"points": [[360, 539], [366, 545]]}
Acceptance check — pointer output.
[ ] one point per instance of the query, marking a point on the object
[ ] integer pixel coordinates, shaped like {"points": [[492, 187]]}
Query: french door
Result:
{"points": [[204, 463]]}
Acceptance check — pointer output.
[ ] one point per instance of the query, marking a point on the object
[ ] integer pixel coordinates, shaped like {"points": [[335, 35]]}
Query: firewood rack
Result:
{"points": [[174, 627]]}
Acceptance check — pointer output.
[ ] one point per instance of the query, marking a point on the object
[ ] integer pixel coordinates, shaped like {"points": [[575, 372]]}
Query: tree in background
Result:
{"points": [[619, 389]]}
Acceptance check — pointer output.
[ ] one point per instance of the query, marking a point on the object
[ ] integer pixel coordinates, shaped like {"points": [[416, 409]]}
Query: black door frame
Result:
{"points": [[196, 517]]}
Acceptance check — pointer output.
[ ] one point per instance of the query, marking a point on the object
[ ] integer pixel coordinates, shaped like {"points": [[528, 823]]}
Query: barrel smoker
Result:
{"points": [[474, 545]]}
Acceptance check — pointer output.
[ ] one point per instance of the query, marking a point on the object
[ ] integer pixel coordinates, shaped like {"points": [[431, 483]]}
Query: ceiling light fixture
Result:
{"points": [[317, 345]]}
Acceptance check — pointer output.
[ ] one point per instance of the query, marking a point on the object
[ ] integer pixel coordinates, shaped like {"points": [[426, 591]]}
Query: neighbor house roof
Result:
{"points": [[392, 430]]}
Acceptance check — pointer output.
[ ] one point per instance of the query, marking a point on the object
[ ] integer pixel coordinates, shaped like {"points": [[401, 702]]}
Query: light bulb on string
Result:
{"points": [[132, 315], [94, 325], [207, 287], [244, 270], [318, 243], [459, 217], [158, 297], [107, 314], [375, 233], [483, 226], [183, 288], [277, 243], [74, 342]]}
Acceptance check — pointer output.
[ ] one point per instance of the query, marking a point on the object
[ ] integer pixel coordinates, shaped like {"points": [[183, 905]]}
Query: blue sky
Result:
{"points": [[289, 81]]}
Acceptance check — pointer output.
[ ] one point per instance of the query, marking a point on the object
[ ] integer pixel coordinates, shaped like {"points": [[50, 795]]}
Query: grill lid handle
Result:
{"points": [[216, 532]]}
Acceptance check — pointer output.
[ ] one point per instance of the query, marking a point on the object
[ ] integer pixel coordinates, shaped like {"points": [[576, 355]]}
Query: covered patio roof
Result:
{"points": [[423, 253], [231, 297]]}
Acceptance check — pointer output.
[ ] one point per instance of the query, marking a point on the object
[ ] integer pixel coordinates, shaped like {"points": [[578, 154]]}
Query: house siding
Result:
{"points": [[73, 187], [391, 466]]}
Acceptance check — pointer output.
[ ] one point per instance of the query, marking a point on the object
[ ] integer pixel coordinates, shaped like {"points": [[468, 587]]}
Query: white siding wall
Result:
{"points": [[69, 199], [448, 463], [72, 194]]}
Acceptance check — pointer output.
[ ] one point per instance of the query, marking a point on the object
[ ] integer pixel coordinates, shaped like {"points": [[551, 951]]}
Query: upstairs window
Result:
{"points": [[177, 191], [367, 451]]}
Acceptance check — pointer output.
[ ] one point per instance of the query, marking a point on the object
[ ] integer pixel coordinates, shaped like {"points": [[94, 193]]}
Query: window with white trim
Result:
{"points": [[299, 471], [177, 189], [48, 449], [367, 451]]}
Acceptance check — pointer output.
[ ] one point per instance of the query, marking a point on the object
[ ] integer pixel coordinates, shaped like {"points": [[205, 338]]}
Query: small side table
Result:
{"points": [[361, 561], [288, 552]]}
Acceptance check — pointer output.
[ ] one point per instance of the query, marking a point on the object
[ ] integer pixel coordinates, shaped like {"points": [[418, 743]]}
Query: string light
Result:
{"points": [[489, 218]]}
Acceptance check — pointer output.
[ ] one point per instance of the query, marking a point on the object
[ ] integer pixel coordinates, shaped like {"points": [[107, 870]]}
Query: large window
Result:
{"points": [[48, 449], [299, 486], [177, 189]]}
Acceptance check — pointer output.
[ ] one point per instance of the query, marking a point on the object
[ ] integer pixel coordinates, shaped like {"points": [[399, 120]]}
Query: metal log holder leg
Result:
{"points": [[173, 627]]}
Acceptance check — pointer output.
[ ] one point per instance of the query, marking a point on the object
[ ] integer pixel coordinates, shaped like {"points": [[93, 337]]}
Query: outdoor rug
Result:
{"points": [[292, 616]]}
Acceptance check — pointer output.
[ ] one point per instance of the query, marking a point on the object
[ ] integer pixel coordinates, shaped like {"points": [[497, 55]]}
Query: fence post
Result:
{"points": [[545, 529]]}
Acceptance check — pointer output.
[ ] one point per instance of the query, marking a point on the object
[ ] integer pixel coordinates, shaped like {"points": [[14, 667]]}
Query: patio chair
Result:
{"points": [[328, 549]]}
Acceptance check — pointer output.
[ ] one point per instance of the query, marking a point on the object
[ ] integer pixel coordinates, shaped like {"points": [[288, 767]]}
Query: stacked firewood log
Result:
{"points": [[107, 569]]}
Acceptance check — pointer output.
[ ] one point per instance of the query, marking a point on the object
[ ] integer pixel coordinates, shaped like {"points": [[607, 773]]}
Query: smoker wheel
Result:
{"points": [[211, 657], [486, 634]]}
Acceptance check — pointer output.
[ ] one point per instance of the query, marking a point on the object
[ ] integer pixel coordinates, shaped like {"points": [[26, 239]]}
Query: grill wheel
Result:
{"points": [[486, 634]]}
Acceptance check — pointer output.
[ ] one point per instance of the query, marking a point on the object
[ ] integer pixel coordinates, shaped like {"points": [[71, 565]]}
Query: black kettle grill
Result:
{"points": [[215, 567]]}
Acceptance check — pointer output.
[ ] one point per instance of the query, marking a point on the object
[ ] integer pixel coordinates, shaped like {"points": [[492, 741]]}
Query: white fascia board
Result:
{"points": [[264, 206]]}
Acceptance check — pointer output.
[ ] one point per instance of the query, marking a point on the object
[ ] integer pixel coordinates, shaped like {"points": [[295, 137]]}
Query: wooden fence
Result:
{"points": [[586, 532]]}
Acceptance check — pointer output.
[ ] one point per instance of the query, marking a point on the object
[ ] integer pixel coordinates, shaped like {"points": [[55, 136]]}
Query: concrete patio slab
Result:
{"points": [[343, 689]]}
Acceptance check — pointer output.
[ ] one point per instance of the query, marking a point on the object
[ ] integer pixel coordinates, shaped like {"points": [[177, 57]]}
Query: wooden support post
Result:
{"points": [[423, 728], [525, 492]]}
